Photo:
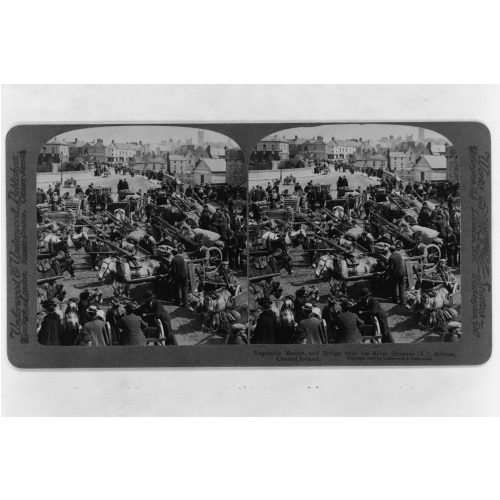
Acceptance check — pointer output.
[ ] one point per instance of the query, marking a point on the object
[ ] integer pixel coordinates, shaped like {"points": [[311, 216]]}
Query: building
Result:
{"points": [[201, 137], [151, 162], [430, 168], [367, 160], [315, 148], [178, 164], [98, 151], [216, 153], [296, 147], [437, 149], [338, 149], [198, 154], [191, 160], [78, 149], [273, 148], [210, 171], [52, 156], [397, 161], [119, 152], [421, 134]]}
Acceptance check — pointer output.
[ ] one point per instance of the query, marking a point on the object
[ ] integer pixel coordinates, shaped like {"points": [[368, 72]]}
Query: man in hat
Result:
{"points": [[397, 270], [366, 240], [131, 328], [424, 216], [153, 307], [311, 330], [449, 245], [367, 304], [178, 269], [421, 248], [94, 330], [265, 329], [346, 326], [238, 335], [454, 332], [205, 218], [50, 331]]}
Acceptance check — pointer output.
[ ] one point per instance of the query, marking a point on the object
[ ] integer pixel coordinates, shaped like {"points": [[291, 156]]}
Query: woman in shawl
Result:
{"points": [[51, 327], [265, 329], [70, 324], [286, 323]]}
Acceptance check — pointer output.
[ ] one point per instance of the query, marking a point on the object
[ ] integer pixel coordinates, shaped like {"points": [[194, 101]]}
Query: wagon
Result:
{"points": [[403, 240], [154, 331], [321, 187]]}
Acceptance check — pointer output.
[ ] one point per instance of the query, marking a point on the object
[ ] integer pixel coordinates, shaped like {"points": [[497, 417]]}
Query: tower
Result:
{"points": [[201, 138], [421, 134]]}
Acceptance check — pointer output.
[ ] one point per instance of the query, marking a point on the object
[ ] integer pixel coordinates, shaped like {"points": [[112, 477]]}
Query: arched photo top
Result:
{"points": [[395, 148], [360, 219], [139, 222], [192, 155]]}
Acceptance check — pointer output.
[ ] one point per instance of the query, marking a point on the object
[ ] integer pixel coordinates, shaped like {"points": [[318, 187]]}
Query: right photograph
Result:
{"points": [[354, 236]]}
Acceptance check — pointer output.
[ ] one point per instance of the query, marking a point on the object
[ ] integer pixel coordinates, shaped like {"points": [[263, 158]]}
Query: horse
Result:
{"points": [[432, 306], [344, 268], [125, 270]]}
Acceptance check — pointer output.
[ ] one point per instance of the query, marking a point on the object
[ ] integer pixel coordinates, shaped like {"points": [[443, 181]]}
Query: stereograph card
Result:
{"points": [[183, 244]]}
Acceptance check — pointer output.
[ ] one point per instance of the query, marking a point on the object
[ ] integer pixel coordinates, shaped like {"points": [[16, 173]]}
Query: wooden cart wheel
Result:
{"points": [[433, 254], [215, 257], [191, 223], [410, 219]]}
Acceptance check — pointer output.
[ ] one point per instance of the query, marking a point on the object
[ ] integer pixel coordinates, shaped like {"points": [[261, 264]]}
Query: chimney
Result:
{"points": [[296, 137], [76, 139]]}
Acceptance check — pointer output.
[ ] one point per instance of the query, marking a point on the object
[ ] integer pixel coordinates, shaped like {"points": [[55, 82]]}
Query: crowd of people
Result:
{"points": [[87, 325]]}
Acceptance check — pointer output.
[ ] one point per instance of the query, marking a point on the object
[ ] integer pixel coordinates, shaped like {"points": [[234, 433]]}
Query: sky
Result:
{"points": [[354, 131], [146, 134]]}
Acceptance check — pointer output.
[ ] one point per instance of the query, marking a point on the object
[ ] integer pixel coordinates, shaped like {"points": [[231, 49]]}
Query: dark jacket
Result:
{"points": [[179, 268], [265, 330], [93, 333], [397, 265], [372, 306], [205, 220], [50, 332], [131, 327], [310, 331], [156, 308], [347, 331]]}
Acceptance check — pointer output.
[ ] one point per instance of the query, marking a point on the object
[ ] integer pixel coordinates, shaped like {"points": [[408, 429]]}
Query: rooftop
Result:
{"points": [[215, 165], [435, 162]]}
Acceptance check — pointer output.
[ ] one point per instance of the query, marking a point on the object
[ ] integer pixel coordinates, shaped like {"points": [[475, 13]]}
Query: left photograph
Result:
{"points": [[141, 237]]}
